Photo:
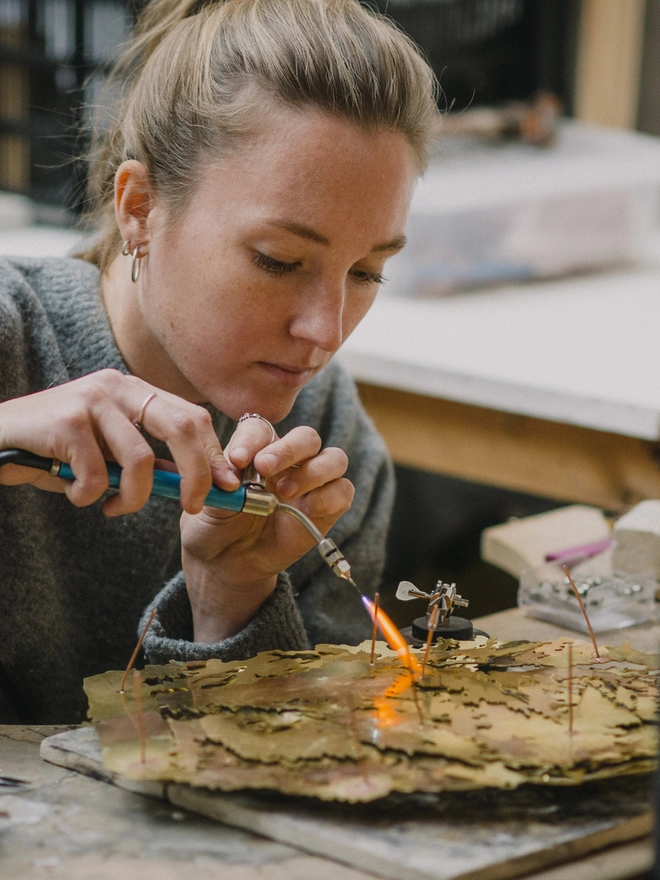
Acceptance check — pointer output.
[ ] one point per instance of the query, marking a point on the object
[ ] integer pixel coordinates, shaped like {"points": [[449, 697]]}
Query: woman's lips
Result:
{"points": [[292, 376]]}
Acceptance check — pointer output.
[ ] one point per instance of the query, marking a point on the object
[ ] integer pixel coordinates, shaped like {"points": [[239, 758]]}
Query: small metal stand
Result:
{"points": [[445, 598]]}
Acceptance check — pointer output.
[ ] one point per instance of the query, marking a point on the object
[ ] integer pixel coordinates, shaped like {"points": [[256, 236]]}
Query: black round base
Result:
{"points": [[454, 628]]}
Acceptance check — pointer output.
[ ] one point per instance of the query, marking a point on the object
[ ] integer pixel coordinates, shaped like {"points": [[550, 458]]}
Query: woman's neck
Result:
{"points": [[142, 352]]}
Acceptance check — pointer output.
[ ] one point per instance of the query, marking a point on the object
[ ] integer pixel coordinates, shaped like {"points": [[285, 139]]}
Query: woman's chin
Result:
{"points": [[271, 407]]}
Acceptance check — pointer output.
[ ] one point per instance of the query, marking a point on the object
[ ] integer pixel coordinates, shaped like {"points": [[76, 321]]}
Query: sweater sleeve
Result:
{"points": [[277, 625], [310, 604]]}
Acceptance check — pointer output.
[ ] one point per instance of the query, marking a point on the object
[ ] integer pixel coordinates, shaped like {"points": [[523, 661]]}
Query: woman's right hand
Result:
{"points": [[91, 419]]}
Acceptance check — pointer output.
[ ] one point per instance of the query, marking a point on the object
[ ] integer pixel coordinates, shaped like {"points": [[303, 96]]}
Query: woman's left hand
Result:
{"points": [[231, 560]]}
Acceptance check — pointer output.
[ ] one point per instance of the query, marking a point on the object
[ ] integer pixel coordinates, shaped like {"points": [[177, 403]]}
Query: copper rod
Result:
{"points": [[122, 686], [435, 613], [416, 698], [584, 610], [570, 688], [374, 632]]}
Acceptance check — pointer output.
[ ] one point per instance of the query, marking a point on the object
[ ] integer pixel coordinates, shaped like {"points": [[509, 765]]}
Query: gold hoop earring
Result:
{"points": [[135, 264]]}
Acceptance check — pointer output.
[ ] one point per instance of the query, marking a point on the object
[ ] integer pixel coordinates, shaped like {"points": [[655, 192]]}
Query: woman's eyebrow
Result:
{"points": [[299, 230], [395, 244]]}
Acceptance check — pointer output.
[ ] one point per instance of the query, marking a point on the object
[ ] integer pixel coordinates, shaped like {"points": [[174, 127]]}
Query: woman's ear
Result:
{"points": [[133, 203]]}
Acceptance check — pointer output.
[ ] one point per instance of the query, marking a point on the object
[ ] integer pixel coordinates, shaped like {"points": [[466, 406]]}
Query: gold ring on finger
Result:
{"points": [[138, 422]]}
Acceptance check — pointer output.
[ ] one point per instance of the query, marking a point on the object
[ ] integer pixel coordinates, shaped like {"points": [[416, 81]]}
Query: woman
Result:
{"points": [[257, 178]]}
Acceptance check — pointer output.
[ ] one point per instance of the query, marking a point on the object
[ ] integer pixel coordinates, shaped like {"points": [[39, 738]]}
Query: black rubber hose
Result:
{"points": [[27, 459]]}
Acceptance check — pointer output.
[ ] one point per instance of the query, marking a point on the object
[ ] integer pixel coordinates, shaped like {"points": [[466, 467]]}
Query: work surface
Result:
{"points": [[61, 823], [580, 351], [548, 388]]}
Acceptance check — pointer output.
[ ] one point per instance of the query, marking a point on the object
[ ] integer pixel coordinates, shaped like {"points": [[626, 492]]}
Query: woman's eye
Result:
{"points": [[275, 267], [368, 277]]}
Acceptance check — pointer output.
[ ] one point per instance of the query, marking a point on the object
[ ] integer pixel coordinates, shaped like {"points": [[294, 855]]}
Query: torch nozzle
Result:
{"points": [[328, 550]]}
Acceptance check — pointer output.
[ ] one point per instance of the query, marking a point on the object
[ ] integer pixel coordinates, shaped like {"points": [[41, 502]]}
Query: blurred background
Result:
{"points": [[514, 73], [54, 54]]}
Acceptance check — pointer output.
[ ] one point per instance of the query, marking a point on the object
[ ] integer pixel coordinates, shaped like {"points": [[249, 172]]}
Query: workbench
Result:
{"points": [[550, 388], [70, 825]]}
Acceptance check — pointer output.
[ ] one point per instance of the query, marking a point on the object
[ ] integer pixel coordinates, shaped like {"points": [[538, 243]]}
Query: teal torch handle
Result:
{"points": [[167, 484]]}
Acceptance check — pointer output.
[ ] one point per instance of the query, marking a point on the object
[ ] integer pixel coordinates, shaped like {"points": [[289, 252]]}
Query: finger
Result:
{"points": [[135, 457], [93, 432], [293, 449], [179, 429], [250, 437], [222, 471], [16, 475], [186, 428], [188, 431], [57, 423], [198, 456], [84, 456], [328, 465], [328, 503], [42, 435]]}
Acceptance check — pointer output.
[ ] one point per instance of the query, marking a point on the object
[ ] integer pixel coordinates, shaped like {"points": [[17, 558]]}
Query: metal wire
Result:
{"points": [[304, 519]]}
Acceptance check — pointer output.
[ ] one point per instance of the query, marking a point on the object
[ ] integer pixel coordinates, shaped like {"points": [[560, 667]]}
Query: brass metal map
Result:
{"points": [[325, 724]]}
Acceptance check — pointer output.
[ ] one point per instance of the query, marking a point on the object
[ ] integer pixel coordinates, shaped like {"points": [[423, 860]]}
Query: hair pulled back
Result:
{"points": [[199, 75]]}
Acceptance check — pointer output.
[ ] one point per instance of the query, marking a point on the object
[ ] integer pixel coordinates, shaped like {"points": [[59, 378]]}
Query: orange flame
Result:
{"points": [[393, 637], [386, 713]]}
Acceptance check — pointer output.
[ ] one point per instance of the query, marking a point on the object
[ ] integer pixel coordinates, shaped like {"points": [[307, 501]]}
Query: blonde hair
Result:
{"points": [[195, 78]]}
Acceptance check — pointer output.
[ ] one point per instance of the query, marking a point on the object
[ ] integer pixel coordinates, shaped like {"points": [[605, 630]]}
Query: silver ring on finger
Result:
{"points": [[138, 422], [243, 418]]}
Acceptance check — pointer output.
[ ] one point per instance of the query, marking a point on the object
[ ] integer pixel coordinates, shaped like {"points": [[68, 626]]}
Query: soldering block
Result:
{"points": [[524, 543], [637, 545]]}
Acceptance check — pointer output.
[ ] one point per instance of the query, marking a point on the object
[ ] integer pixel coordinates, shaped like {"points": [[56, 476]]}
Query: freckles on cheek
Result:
{"points": [[170, 322], [173, 324]]}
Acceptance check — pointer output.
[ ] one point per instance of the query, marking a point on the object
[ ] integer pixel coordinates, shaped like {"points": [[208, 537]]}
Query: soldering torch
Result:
{"points": [[251, 498]]}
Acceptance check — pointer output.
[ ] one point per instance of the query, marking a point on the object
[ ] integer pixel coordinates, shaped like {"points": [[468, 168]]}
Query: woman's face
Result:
{"points": [[276, 259]]}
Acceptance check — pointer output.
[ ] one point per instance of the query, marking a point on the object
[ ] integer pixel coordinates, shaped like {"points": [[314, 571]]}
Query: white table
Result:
{"points": [[549, 387]]}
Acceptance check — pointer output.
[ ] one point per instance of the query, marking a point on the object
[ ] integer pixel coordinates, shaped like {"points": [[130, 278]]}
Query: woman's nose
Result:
{"points": [[319, 319]]}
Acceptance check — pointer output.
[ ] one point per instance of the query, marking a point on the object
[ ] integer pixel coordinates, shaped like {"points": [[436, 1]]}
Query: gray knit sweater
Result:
{"points": [[74, 584]]}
